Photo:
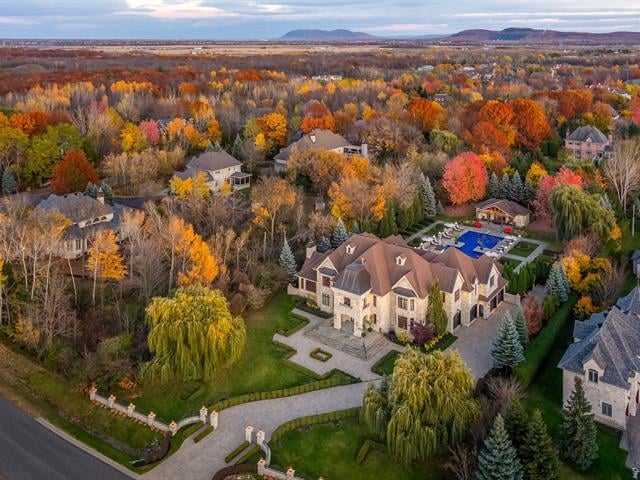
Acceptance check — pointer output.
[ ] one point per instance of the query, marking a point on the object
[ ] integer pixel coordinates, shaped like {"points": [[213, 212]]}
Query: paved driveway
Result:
{"points": [[474, 342], [30, 451]]}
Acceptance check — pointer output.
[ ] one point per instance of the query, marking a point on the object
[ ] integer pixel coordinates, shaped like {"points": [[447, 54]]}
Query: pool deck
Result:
{"points": [[489, 229]]}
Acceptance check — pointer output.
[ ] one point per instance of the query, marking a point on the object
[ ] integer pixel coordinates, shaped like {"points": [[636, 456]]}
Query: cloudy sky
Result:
{"points": [[262, 19]]}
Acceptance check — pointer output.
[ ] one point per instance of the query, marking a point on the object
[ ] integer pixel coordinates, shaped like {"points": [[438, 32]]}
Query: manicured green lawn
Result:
{"points": [[523, 249], [329, 451], [259, 369], [545, 394], [385, 365]]}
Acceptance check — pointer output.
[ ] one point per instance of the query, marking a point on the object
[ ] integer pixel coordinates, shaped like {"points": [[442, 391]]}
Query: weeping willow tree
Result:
{"points": [[192, 335], [428, 404], [577, 211]]}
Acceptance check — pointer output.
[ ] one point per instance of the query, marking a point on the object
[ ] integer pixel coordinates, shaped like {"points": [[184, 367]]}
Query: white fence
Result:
{"points": [[150, 418], [514, 299]]}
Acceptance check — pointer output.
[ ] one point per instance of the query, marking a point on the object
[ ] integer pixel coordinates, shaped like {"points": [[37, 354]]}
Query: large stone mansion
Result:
{"points": [[384, 284]]}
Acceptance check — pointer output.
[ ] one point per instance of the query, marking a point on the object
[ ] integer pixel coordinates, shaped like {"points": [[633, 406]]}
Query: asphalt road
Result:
{"points": [[30, 451]]}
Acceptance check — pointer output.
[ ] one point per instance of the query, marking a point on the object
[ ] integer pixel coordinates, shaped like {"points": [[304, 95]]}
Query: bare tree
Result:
{"points": [[463, 462], [622, 170]]}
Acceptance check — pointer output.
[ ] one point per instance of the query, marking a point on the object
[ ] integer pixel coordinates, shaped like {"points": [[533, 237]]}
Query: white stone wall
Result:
{"points": [[597, 393]]}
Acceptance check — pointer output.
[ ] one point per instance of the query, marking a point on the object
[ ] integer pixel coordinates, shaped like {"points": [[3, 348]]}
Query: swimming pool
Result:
{"points": [[472, 240]]}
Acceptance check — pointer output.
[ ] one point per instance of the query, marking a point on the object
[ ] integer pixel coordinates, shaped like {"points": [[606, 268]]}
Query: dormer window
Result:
{"points": [[593, 376], [400, 260], [351, 249]]}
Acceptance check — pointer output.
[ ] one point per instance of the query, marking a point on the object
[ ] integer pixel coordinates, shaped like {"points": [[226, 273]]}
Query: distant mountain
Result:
{"points": [[326, 35], [530, 35]]}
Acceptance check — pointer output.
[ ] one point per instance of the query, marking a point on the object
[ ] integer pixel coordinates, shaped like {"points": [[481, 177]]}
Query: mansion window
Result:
{"points": [[374, 318], [412, 305], [593, 376], [78, 243], [310, 286], [402, 303], [375, 301], [491, 281], [326, 281], [402, 322], [346, 301], [326, 299], [607, 409], [457, 295]]}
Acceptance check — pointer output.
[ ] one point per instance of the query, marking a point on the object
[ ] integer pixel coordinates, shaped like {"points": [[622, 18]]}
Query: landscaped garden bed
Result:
{"points": [[320, 355], [523, 249]]}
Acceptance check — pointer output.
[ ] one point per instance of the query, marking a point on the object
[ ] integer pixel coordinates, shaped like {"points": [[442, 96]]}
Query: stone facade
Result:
{"points": [[344, 286]]}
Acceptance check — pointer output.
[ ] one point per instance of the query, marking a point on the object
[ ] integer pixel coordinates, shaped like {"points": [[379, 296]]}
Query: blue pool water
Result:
{"points": [[472, 240]]}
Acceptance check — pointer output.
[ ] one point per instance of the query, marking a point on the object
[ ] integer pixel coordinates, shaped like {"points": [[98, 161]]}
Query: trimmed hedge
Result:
{"points": [[300, 322], [539, 348], [254, 450], [291, 425], [320, 355], [366, 447], [302, 305], [378, 366], [202, 434], [237, 451]]}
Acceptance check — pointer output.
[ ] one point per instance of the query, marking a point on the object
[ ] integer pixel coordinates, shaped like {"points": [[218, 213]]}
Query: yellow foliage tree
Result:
{"points": [[198, 265], [132, 138], [536, 173], [104, 259], [190, 187]]}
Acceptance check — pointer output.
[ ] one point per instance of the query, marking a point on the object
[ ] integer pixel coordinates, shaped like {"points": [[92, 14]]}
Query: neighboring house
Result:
{"points": [[318, 139], [635, 260], [589, 143], [218, 167], [441, 98], [606, 356], [384, 284], [88, 216], [503, 211]]}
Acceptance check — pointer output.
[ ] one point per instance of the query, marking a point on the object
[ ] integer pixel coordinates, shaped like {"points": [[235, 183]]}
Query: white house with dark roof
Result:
{"points": [[324, 140], [606, 356], [88, 215], [219, 167], [384, 284], [589, 143]]}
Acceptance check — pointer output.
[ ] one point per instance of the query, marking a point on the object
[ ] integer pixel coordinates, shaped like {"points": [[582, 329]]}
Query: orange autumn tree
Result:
{"points": [[317, 116], [104, 259], [431, 115], [197, 264], [73, 173], [530, 122], [495, 130], [465, 178], [272, 132]]}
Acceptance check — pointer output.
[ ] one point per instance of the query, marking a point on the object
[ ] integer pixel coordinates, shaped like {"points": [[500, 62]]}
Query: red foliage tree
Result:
{"points": [[317, 116], [465, 178], [150, 130], [431, 115], [72, 173], [540, 203]]}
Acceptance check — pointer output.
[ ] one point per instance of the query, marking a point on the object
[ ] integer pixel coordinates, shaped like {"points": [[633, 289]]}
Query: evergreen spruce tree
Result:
{"points": [[516, 422], [435, 310], [498, 459], [493, 187], [340, 234], [405, 218], [530, 191], [418, 208], [428, 198], [91, 190], [506, 350], [557, 282], [538, 453], [605, 202], [288, 261], [517, 188], [108, 193], [505, 186], [388, 223], [8, 181], [521, 327], [236, 148], [579, 444], [355, 228], [323, 244]]}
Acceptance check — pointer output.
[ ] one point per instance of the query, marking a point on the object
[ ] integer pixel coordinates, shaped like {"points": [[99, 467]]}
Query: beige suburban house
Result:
{"points": [[606, 356], [587, 142], [88, 216], [384, 285], [219, 167], [318, 139], [503, 211]]}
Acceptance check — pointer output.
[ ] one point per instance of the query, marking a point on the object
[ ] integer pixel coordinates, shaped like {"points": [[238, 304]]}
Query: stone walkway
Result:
{"points": [[199, 461], [474, 342], [340, 360]]}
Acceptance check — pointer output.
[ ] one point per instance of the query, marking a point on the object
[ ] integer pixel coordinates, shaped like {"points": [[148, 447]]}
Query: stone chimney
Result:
{"points": [[100, 195], [311, 249], [312, 137], [364, 150]]}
